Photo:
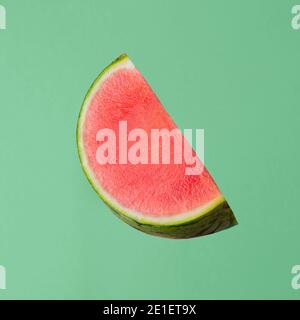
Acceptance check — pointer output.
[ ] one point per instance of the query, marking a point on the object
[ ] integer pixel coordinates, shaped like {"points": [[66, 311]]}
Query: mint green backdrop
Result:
{"points": [[230, 67]]}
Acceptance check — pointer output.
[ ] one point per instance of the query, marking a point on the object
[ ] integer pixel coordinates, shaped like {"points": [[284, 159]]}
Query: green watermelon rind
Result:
{"points": [[215, 217]]}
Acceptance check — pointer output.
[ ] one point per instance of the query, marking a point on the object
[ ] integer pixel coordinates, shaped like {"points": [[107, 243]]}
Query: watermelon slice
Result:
{"points": [[159, 199]]}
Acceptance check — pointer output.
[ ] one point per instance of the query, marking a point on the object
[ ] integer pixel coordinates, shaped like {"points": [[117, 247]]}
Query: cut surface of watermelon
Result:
{"points": [[159, 199]]}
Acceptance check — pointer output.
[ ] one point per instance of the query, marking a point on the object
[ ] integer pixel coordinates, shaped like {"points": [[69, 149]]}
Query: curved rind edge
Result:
{"points": [[218, 219]]}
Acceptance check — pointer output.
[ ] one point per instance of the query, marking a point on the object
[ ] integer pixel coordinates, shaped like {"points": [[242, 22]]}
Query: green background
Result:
{"points": [[230, 67]]}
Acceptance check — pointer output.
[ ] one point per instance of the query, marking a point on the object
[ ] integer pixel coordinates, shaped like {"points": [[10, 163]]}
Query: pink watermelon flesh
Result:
{"points": [[154, 190]]}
